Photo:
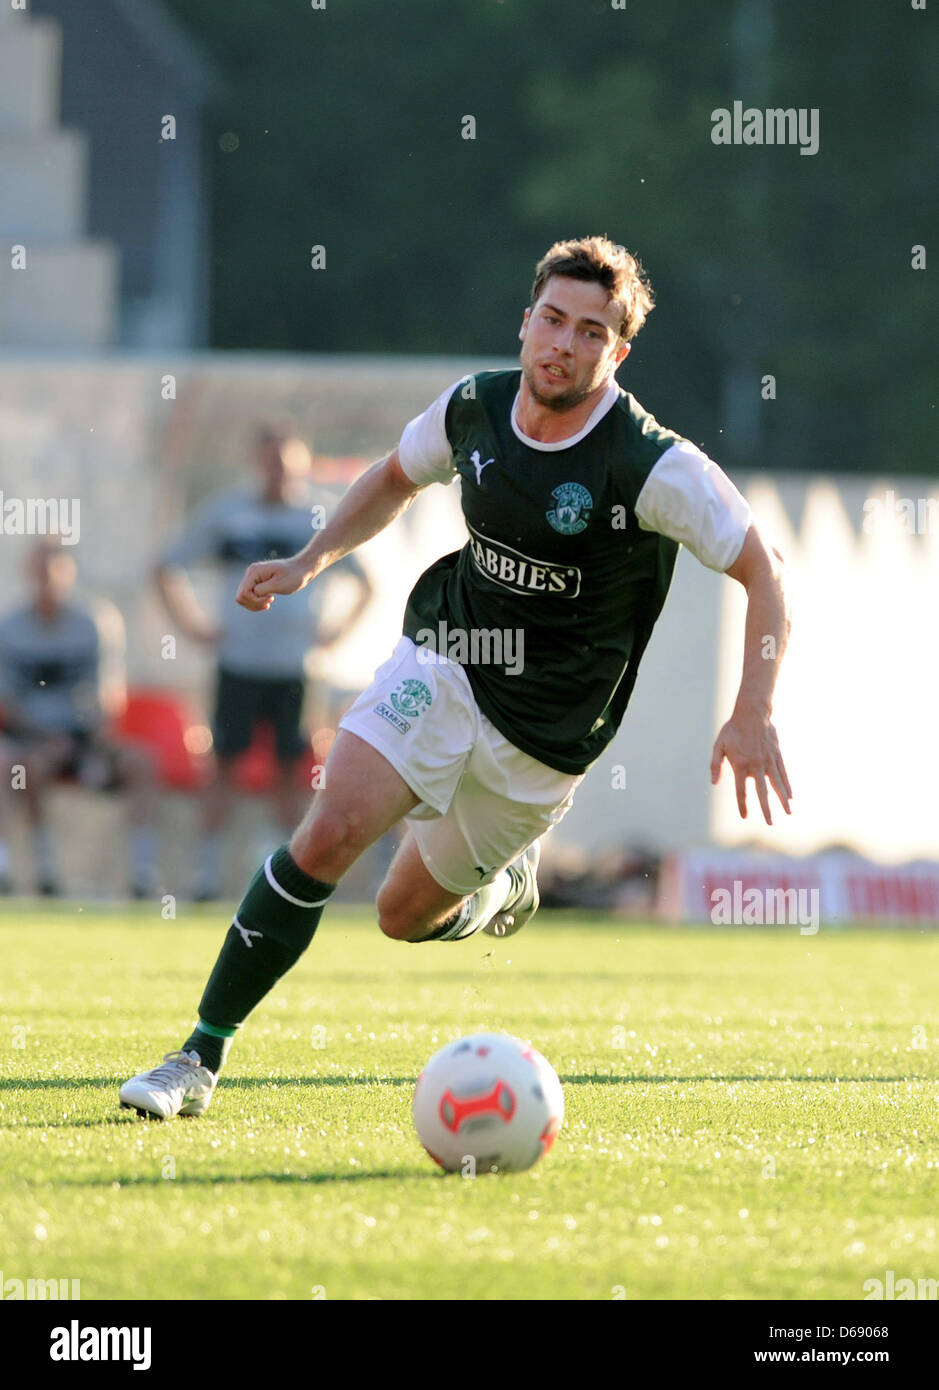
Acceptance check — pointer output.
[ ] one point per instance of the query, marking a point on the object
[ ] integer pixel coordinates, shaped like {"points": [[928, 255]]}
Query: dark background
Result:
{"points": [[590, 119]]}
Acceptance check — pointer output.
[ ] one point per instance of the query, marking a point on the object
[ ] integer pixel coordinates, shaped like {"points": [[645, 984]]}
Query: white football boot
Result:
{"points": [[181, 1085], [524, 899]]}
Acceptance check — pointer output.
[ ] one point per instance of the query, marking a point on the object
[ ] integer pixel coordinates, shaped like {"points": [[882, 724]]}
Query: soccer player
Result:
{"points": [[260, 672], [576, 501], [61, 678]]}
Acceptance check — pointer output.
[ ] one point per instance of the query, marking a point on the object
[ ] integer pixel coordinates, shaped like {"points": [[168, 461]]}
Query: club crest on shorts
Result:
{"points": [[411, 698], [572, 512]]}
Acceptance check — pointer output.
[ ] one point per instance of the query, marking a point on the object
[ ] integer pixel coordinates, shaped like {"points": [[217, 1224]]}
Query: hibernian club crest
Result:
{"points": [[572, 511], [411, 698]]}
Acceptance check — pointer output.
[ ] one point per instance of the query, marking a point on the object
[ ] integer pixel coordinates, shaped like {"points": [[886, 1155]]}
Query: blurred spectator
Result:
{"points": [[261, 676], [623, 880], [61, 680]]}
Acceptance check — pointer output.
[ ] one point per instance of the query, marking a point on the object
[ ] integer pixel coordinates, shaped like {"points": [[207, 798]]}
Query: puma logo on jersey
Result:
{"points": [[479, 465]]}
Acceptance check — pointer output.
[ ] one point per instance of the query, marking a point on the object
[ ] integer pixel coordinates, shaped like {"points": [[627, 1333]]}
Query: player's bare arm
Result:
{"points": [[748, 740], [372, 503]]}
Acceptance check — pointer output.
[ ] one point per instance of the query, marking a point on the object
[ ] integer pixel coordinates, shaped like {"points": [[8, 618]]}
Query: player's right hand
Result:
{"points": [[267, 578]]}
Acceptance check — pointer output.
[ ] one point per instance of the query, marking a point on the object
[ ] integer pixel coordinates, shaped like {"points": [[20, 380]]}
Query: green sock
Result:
{"points": [[211, 1043], [273, 926]]}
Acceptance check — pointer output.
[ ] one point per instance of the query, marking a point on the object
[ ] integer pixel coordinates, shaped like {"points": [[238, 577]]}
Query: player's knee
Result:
{"points": [[393, 919], [395, 926], [397, 917]]}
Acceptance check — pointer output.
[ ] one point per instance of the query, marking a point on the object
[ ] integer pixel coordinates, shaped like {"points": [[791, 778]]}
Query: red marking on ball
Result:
{"points": [[549, 1133], [499, 1102]]}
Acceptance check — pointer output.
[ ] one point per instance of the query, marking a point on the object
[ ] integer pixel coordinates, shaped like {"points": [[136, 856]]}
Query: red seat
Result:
{"points": [[168, 724], [256, 768]]}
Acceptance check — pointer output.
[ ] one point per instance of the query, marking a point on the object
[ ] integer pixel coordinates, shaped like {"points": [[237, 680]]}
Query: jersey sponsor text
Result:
{"points": [[521, 573]]}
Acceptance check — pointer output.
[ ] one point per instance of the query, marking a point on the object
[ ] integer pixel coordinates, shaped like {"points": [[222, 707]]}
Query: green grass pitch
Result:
{"points": [[750, 1114]]}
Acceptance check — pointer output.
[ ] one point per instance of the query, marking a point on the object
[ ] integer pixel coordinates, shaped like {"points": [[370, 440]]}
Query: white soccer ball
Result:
{"points": [[487, 1103]]}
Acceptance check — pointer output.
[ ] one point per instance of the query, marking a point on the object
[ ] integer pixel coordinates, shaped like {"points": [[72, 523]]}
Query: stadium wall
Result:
{"points": [[139, 440]]}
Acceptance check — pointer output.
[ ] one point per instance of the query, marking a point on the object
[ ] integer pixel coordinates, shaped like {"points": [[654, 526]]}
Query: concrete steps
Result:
{"points": [[58, 290]]}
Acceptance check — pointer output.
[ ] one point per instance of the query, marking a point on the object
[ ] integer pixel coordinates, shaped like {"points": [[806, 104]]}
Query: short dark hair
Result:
{"points": [[612, 266]]}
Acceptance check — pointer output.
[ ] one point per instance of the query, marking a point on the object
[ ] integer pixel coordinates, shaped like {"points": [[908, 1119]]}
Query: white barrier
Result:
{"points": [[731, 887]]}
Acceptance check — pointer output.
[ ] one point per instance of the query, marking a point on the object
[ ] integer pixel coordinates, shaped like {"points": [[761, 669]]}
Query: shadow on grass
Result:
{"points": [[242, 1179], [640, 1079], [251, 1083], [53, 1083], [227, 1083]]}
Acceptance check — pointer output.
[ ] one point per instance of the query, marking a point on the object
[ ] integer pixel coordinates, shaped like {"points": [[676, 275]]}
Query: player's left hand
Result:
{"points": [[748, 741]]}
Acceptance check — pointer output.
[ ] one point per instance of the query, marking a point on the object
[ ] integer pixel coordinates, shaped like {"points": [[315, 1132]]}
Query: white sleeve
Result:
{"points": [[424, 450], [688, 498]]}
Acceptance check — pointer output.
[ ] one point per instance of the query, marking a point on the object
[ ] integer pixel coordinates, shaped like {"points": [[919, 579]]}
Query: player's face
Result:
{"points": [[570, 342]]}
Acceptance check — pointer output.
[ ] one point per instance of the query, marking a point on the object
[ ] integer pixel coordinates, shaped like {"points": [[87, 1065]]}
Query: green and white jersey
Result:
{"points": [[571, 548]]}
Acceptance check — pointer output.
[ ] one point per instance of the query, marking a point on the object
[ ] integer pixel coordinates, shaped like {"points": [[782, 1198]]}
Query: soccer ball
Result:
{"points": [[487, 1103]]}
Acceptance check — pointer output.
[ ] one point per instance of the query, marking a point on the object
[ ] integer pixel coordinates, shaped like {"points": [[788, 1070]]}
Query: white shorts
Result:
{"points": [[483, 801]]}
